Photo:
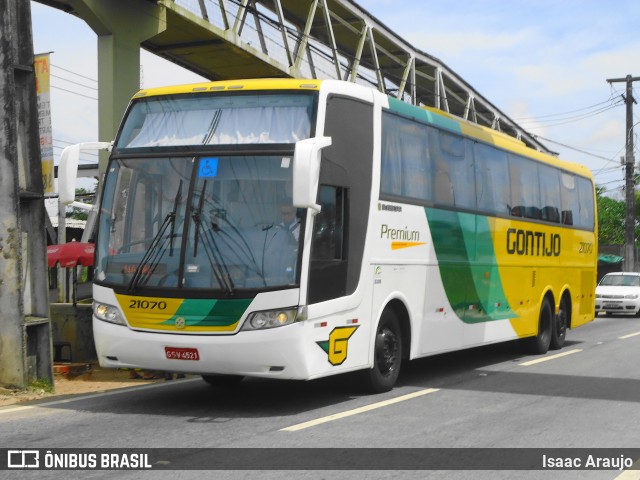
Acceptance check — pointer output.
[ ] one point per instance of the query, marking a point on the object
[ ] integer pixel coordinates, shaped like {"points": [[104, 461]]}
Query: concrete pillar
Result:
{"points": [[121, 26], [25, 329]]}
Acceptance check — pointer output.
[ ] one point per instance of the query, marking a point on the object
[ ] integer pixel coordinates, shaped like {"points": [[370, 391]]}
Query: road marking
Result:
{"points": [[356, 411], [629, 336], [631, 473], [551, 357]]}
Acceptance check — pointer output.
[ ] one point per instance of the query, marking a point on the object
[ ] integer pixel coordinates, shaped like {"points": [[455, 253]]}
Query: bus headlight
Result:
{"points": [[631, 296], [107, 313], [270, 319]]}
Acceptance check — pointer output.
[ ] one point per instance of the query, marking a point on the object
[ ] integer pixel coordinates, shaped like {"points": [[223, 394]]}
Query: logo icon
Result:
{"points": [[23, 459], [336, 346], [180, 323]]}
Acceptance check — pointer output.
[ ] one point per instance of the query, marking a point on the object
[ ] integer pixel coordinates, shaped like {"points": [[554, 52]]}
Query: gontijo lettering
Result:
{"points": [[529, 242]]}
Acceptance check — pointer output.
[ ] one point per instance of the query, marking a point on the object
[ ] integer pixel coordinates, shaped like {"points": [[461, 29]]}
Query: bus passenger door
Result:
{"points": [[340, 228]]}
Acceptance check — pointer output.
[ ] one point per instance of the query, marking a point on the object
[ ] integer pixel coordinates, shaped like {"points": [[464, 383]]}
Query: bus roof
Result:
{"points": [[234, 85]]}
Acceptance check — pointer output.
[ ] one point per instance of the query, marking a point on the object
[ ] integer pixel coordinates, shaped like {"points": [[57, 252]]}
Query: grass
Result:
{"points": [[41, 385]]}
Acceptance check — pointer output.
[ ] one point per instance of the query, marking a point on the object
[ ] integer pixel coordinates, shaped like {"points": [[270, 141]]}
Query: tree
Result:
{"points": [[611, 219], [83, 195]]}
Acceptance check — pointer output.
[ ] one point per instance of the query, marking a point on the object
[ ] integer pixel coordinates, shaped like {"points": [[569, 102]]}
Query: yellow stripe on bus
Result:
{"points": [[399, 245]]}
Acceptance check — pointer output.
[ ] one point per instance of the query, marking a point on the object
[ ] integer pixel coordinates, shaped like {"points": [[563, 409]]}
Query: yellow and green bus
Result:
{"points": [[410, 233]]}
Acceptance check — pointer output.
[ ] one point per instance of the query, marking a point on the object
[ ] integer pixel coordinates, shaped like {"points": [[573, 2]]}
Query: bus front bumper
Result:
{"points": [[271, 353]]}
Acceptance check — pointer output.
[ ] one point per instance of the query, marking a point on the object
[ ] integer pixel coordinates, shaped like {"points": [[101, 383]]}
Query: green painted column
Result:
{"points": [[121, 26]]}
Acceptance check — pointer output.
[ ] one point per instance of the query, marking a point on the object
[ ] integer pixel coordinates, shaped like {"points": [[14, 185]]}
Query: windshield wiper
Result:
{"points": [[142, 273], [176, 202], [211, 248], [197, 219]]}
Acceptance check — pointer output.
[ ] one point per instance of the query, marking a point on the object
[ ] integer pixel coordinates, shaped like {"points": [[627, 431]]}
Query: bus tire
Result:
{"points": [[387, 354], [223, 381], [559, 326], [539, 344]]}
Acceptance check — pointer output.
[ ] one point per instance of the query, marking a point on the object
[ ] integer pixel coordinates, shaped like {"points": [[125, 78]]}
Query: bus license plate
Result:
{"points": [[175, 353]]}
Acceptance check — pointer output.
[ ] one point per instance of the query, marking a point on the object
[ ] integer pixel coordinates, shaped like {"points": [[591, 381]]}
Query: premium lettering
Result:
{"points": [[399, 233], [529, 242]]}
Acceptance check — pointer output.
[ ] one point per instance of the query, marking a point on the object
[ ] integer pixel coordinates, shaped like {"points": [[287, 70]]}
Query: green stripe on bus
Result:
{"points": [[210, 313], [423, 115], [468, 265]]}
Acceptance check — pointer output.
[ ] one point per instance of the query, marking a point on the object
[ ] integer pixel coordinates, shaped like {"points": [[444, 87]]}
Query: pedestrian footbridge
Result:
{"points": [[233, 39]]}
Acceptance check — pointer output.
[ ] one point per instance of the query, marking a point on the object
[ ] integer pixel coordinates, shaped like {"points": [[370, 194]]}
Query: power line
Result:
{"points": [[574, 148], [74, 73], [75, 93], [575, 118], [619, 180], [562, 114], [71, 81], [607, 170]]}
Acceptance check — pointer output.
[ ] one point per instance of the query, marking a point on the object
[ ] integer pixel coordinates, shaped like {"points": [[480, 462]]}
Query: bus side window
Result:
{"points": [[569, 199], [443, 193], [492, 179], [328, 276], [585, 195], [525, 192], [328, 227], [454, 176], [549, 193], [406, 169]]}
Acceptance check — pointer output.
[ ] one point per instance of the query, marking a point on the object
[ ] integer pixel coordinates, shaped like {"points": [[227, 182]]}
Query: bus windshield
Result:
{"points": [[210, 222], [206, 119]]}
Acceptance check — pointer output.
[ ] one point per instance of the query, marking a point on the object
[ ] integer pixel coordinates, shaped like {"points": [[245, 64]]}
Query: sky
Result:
{"points": [[544, 63]]}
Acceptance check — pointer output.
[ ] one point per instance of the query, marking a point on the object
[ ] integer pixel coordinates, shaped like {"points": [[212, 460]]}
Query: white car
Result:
{"points": [[619, 293]]}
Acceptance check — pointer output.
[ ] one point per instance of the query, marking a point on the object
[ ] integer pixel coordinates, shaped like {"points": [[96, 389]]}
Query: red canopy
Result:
{"points": [[70, 254]]}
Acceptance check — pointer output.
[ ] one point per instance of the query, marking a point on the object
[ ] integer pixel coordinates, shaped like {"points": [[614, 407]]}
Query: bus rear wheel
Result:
{"points": [[539, 344], [224, 381], [559, 328], [387, 354]]}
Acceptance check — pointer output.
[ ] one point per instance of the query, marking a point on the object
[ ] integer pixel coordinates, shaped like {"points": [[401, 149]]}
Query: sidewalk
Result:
{"points": [[98, 380]]}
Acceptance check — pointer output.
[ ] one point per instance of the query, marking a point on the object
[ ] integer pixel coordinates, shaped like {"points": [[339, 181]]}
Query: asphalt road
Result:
{"points": [[585, 396]]}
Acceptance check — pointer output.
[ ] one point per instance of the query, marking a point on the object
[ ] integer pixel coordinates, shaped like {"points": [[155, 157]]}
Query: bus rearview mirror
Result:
{"points": [[306, 171], [68, 168]]}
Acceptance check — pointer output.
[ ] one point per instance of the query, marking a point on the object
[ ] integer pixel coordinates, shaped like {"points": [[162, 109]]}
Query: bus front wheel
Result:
{"points": [[387, 354], [539, 344]]}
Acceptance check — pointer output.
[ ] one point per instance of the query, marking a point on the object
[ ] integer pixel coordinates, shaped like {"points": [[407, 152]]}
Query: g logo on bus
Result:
{"points": [[180, 323], [336, 346]]}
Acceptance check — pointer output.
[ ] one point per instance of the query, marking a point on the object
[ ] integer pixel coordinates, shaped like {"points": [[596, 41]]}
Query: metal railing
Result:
{"points": [[338, 39]]}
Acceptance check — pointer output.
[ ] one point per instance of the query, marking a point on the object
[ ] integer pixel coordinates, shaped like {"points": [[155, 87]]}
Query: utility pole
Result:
{"points": [[630, 224]]}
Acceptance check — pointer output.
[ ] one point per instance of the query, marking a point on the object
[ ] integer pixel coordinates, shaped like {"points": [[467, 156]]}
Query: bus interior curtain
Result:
{"points": [[235, 126]]}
